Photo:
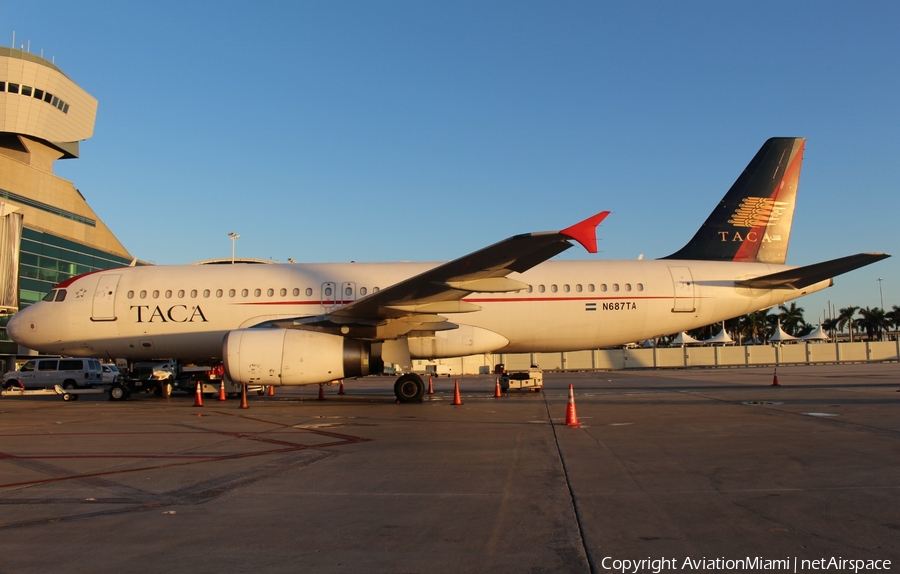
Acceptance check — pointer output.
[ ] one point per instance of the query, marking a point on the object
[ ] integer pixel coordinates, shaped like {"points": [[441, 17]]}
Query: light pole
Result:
{"points": [[880, 293], [233, 237]]}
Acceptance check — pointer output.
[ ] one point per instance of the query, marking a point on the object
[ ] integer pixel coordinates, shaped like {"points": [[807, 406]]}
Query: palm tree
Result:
{"points": [[893, 316], [791, 318], [830, 325], [754, 325], [873, 321], [845, 317]]}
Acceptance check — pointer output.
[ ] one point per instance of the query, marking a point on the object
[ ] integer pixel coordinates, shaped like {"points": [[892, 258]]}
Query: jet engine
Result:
{"points": [[466, 340], [292, 357]]}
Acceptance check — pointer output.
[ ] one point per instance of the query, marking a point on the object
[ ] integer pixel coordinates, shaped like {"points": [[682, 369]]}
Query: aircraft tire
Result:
{"points": [[409, 388]]}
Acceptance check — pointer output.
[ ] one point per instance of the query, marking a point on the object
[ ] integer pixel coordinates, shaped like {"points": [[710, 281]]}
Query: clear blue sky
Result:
{"points": [[380, 131]]}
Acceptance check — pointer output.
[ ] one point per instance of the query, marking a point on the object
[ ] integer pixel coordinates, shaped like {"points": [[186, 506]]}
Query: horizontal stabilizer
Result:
{"points": [[801, 277]]}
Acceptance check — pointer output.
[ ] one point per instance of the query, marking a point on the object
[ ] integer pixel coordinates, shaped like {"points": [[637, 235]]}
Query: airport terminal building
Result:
{"points": [[48, 232]]}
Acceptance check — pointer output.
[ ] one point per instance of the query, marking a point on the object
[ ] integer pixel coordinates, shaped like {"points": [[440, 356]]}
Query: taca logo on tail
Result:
{"points": [[752, 223]]}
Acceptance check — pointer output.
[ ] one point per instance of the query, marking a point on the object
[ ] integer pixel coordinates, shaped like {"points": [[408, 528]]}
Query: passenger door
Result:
{"points": [[683, 283], [46, 372], [104, 308]]}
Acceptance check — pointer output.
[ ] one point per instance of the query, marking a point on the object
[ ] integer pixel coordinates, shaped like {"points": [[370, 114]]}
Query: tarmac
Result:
{"points": [[681, 464]]}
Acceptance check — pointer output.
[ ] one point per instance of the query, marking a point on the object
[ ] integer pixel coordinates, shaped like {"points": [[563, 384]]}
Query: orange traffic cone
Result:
{"points": [[321, 392], [198, 397], [341, 388], [775, 378], [222, 390], [430, 386], [456, 398], [497, 392], [271, 392], [244, 404], [571, 417]]}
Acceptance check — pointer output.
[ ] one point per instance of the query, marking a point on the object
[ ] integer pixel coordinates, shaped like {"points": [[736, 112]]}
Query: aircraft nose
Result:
{"points": [[20, 327]]}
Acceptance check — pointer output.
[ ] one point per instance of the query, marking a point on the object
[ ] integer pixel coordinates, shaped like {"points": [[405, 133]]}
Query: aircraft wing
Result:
{"points": [[417, 302], [801, 277], [441, 289]]}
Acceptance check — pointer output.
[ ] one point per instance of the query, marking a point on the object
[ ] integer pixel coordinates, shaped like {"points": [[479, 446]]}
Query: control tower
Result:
{"points": [[48, 232]]}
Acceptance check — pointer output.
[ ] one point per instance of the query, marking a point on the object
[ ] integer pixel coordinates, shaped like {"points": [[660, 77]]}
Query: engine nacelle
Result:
{"points": [[461, 342], [292, 357]]}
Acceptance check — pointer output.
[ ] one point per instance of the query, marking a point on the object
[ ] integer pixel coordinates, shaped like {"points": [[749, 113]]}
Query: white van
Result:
{"points": [[44, 373]]}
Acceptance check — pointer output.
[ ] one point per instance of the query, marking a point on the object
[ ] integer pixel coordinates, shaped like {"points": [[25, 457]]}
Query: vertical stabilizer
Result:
{"points": [[752, 223]]}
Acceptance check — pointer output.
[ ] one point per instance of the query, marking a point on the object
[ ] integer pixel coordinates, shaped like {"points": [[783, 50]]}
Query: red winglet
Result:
{"points": [[585, 232]]}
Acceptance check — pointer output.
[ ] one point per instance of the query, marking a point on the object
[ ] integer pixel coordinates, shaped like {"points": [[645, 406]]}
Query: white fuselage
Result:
{"points": [[184, 312]]}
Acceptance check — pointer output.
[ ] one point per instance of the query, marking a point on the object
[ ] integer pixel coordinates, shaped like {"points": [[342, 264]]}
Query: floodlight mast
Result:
{"points": [[234, 236]]}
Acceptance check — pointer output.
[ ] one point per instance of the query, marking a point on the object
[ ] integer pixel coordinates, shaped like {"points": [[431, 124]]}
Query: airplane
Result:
{"points": [[304, 324]]}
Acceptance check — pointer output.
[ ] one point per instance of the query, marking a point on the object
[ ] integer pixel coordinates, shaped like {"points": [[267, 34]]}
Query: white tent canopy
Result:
{"points": [[723, 338], [818, 334], [780, 336], [684, 339]]}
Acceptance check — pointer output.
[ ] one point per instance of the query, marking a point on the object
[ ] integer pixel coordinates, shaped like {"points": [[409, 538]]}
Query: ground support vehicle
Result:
{"points": [[532, 379], [67, 394]]}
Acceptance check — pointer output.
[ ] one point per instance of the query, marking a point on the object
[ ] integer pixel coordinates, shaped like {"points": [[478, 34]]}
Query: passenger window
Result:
{"points": [[61, 295], [219, 292], [328, 291], [348, 291], [257, 292], [603, 287], [193, 293], [71, 365], [181, 293], [50, 296], [283, 292], [143, 294], [530, 289], [578, 288], [130, 295], [168, 293], [615, 286], [206, 292], [591, 287], [363, 290], [553, 288], [566, 288], [376, 289], [308, 292], [296, 292], [541, 288], [47, 365], [640, 286], [231, 292], [156, 294], [244, 292], [270, 293], [628, 286]]}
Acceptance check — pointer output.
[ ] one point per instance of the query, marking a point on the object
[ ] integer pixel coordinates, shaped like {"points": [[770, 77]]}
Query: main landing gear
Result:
{"points": [[409, 388]]}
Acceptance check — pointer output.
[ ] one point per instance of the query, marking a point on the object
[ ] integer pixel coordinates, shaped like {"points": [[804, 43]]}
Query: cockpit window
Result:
{"points": [[50, 296], [61, 295]]}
